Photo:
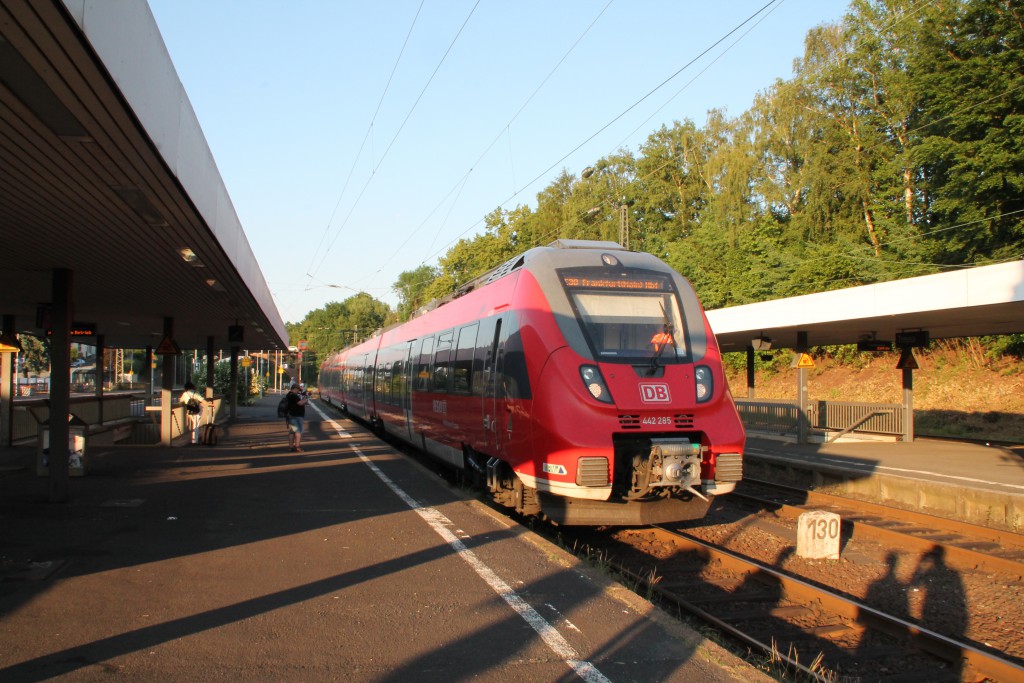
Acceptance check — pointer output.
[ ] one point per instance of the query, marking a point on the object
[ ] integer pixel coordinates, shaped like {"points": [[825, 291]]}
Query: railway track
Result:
{"points": [[806, 626], [965, 546]]}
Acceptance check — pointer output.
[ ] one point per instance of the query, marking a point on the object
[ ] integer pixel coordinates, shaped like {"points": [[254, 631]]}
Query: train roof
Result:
{"points": [[513, 264]]}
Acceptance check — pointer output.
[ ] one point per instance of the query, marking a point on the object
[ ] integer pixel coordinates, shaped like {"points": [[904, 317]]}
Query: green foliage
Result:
{"points": [[338, 325], [222, 381], [896, 148], [37, 353], [1010, 345]]}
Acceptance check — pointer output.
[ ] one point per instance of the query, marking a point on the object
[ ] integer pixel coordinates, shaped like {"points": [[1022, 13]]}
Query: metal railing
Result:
{"points": [[117, 409], [836, 417]]}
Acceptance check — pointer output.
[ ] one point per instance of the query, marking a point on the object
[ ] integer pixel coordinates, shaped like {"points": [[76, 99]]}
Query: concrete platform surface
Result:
{"points": [[977, 483], [346, 562]]}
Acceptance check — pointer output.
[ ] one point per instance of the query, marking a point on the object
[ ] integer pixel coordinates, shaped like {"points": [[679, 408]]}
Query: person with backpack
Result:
{"points": [[295, 416], [194, 404]]}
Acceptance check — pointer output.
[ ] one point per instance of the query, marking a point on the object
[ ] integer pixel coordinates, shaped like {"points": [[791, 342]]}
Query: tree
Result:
{"points": [[411, 288], [968, 61], [37, 353]]}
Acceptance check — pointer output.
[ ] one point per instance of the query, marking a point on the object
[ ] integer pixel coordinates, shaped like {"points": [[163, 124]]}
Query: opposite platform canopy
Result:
{"points": [[964, 303]]}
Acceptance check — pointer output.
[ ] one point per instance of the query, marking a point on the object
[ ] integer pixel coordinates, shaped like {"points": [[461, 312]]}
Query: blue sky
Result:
{"points": [[348, 164]]}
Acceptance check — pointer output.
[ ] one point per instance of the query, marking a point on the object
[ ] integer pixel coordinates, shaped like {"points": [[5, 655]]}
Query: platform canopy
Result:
{"points": [[105, 172], [964, 303]]}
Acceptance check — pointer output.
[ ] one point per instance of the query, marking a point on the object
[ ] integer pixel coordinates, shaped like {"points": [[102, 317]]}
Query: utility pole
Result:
{"points": [[624, 224]]}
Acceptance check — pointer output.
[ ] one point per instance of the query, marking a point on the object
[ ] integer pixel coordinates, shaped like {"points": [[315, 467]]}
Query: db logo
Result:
{"points": [[655, 393]]}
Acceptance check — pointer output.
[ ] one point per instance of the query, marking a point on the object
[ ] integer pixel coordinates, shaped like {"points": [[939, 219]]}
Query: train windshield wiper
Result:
{"points": [[670, 340]]}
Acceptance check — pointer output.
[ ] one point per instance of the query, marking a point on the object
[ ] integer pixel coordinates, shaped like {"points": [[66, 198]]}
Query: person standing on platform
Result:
{"points": [[194, 404], [296, 415]]}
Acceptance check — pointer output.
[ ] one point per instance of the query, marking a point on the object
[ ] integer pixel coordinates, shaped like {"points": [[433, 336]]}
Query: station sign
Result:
{"points": [[875, 345], [83, 329], [916, 338], [78, 329]]}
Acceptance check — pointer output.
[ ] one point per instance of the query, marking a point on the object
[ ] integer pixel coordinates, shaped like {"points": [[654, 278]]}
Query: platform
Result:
{"points": [[345, 562], [976, 483]]}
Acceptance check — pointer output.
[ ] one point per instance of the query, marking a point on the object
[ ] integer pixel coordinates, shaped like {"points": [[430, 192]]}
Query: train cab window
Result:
{"points": [[462, 363], [628, 317]]}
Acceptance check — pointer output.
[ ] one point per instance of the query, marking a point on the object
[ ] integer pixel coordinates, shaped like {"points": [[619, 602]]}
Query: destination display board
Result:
{"points": [[619, 281]]}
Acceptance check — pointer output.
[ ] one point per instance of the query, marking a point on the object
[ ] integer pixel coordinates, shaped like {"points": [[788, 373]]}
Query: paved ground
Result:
{"points": [[346, 562]]}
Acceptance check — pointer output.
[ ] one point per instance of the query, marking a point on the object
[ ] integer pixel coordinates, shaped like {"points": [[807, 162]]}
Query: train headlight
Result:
{"points": [[705, 383], [594, 383]]}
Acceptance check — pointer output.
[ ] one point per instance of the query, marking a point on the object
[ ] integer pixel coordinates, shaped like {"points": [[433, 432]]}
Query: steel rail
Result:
{"points": [[944, 647], [860, 528]]}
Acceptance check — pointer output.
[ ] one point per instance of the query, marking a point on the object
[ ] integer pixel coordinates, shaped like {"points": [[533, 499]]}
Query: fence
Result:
{"points": [[833, 417]]}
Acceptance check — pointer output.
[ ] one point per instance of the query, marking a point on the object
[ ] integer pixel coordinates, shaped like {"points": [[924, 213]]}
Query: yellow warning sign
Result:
{"points": [[246, 362], [167, 347], [907, 360], [805, 361]]}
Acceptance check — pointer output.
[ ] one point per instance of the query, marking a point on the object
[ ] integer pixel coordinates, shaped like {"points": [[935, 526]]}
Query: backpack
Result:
{"points": [[282, 407], [192, 407]]}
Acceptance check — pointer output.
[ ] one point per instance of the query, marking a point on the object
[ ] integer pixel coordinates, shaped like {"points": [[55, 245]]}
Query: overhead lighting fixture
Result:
{"points": [[140, 204], [761, 343], [189, 257], [216, 286], [26, 84]]}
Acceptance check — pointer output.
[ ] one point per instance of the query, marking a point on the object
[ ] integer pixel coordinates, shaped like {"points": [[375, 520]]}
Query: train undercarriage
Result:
{"points": [[656, 480]]}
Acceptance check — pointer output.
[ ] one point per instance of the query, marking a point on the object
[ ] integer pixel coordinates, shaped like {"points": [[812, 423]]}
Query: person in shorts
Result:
{"points": [[296, 417], [194, 403]]}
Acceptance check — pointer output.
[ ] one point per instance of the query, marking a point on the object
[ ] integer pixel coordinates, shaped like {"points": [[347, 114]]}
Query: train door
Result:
{"points": [[493, 399], [406, 399]]}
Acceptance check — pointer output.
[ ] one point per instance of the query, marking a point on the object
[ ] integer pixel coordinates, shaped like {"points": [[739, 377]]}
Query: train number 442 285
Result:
{"points": [[656, 421]]}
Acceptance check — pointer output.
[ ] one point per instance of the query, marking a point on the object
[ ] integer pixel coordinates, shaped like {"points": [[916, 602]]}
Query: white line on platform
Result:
{"points": [[439, 523]]}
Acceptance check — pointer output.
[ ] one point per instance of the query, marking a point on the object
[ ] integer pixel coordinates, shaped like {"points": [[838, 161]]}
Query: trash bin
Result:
{"points": [[76, 449]]}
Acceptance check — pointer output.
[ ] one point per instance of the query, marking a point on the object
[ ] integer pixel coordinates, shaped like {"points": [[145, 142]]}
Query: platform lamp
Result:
{"points": [[761, 343]]}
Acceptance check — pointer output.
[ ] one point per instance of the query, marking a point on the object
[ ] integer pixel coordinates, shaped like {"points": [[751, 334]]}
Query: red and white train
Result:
{"points": [[579, 381]]}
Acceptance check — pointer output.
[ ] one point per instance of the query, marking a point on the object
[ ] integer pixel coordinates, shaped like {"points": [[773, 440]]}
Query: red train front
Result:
{"points": [[579, 380]]}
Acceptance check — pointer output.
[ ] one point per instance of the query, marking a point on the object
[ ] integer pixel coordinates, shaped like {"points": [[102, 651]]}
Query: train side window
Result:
{"points": [[367, 388], [462, 365], [426, 356], [382, 383], [486, 356], [397, 383], [442, 361]]}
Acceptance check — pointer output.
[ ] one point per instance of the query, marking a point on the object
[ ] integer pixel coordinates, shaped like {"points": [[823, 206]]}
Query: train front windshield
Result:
{"points": [[628, 316]]}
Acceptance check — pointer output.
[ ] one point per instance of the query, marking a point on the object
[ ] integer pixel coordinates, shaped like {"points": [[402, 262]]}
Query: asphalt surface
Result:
{"points": [[347, 562]]}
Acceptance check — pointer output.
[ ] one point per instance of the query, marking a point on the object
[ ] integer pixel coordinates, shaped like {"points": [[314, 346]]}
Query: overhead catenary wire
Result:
{"points": [[906, 15], [366, 136], [658, 87], [505, 130], [612, 121], [398, 132], [917, 8]]}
